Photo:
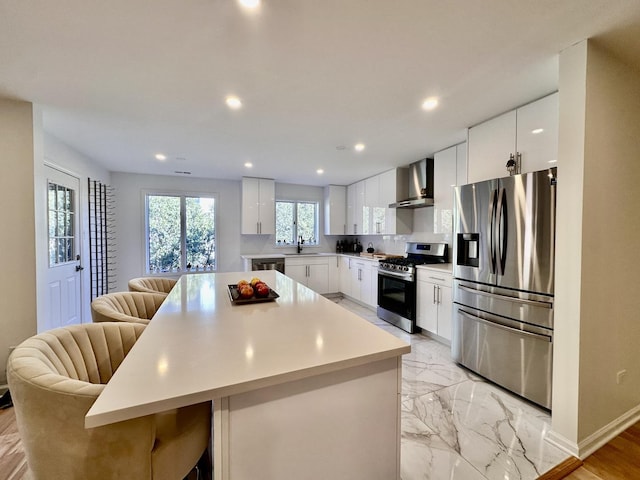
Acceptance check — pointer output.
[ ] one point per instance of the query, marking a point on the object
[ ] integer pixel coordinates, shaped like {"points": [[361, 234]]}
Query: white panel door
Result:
{"points": [[64, 284]]}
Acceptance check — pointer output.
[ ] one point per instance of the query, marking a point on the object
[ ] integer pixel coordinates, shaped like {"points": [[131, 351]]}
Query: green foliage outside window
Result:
{"points": [[177, 223], [294, 219]]}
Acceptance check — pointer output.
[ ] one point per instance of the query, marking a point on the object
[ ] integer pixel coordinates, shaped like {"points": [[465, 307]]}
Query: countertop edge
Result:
{"points": [[93, 420], [438, 267]]}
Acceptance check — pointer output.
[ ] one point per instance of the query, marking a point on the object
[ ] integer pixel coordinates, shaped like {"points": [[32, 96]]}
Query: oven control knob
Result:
{"points": [[406, 269]]}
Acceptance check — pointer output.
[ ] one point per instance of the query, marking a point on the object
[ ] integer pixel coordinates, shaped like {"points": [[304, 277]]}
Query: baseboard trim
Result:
{"points": [[598, 438], [602, 436], [562, 470]]}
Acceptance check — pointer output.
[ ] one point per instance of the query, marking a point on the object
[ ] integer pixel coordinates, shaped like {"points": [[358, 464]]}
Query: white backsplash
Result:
{"points": [[423, 231]]}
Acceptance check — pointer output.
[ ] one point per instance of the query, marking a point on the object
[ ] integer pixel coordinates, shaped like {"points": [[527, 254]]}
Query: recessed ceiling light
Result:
{"points": [[359, 147], [430, 103], [250, 3], [553, 161], [248, 164], [161, 156], [319, 171], [233, 102], [537, 131]]}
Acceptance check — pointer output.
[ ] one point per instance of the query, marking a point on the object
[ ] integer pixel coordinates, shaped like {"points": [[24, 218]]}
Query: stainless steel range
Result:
{"points": [[397, 282]]}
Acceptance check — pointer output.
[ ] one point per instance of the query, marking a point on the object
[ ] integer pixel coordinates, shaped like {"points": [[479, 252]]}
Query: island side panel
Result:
{"points": [[341, 425]]}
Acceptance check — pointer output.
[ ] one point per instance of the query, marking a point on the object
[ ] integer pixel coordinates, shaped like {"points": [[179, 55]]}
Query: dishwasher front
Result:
{"points": [[276, 263]]}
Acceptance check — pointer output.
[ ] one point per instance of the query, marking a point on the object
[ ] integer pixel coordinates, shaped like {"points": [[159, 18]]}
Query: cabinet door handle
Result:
{"points": [[355, 228], [439, 295], [434, 294], [345, 228]]}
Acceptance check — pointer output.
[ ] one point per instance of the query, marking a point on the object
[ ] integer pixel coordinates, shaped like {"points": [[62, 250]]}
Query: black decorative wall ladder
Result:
{"points": [[102, 258]]}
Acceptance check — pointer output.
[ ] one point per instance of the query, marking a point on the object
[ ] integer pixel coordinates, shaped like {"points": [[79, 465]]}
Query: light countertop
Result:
{"points": [[364, 256], [199, 346], [438, 267]]}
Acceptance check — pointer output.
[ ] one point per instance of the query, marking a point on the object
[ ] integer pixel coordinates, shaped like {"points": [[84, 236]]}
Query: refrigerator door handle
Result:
{"points": [[517, 331], [503, 229], [506, 297], [492, 226]]}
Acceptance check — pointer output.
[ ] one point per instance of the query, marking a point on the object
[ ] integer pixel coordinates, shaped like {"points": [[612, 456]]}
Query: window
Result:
{"points": [[295, 219], [61, 224], [180, 232]]}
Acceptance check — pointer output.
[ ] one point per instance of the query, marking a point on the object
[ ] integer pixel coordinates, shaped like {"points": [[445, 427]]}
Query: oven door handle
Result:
{"points": [[386, 273], [506, 297], [517, 331]]}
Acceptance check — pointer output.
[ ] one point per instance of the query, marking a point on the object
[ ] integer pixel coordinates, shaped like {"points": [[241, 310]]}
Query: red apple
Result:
{"points": [[262, 290]]}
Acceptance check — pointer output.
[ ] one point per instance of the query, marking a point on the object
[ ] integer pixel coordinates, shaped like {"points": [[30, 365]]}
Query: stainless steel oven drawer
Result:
{"points": [[518, 360]]}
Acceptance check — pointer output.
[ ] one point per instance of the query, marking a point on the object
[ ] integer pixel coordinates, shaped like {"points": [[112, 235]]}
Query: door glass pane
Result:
{"points": [[164, 233], [200, 234], [61, 228]]}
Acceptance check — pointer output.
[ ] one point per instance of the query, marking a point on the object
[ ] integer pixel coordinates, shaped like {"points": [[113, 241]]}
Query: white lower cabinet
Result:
{"points": [[344, 283], [434, 302], [311, 272], [359, 279], [334, 274]]}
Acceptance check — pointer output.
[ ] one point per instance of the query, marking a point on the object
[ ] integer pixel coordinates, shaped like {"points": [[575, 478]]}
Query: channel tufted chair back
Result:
{"points": [[135, 307], [151, 284], [56, 376]]}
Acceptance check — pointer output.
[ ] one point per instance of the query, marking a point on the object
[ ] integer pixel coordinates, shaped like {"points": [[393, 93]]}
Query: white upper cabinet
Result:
{"points": [[385, 220], [368, 211], [461, 164], [372, 218], [537, 134], [490, 145], [449, 170], [258, 206], [335, 210], [355, 208], [530, 131], [444, 179]]}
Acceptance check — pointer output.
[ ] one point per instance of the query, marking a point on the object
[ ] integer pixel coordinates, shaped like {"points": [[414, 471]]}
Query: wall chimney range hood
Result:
{"points": [[420, 186]]}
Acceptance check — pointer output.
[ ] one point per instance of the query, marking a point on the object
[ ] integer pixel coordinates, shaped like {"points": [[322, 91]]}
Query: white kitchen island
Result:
{"points": [[301, 388]]}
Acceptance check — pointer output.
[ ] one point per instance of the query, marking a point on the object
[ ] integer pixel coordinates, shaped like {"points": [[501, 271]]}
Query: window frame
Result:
{"points": [[295, 224], [183, 195]]}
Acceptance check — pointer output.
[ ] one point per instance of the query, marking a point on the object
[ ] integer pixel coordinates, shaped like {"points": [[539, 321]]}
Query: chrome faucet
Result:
{"points": [[300, 243]]}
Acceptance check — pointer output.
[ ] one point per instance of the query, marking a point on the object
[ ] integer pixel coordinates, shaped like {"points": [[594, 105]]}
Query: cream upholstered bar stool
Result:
{"points": [[134, 307], [151, 285], [56, 376]]}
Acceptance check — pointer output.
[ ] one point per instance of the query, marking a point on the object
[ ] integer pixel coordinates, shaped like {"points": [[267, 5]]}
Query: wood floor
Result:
{"points": [[13, 465], [617, 460]]}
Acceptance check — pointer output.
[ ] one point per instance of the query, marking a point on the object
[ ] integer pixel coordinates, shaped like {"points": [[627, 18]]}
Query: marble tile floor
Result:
{"points": [[458, 426]]}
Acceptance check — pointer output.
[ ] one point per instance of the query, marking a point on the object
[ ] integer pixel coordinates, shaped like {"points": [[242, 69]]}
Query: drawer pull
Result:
{"points": [[497, 296], [516, 331]]}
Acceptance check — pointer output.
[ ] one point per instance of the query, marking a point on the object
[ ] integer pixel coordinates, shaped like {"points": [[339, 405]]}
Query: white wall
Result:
{"points": [[129, 215], [61, 156], [18, 144], [597, 331]]}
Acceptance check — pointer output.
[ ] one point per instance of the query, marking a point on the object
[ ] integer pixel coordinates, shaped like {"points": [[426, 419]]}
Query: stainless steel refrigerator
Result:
{"points": [[503, 281]]}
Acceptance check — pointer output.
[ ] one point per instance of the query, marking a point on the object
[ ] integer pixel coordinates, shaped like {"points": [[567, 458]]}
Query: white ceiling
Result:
{"points": [[120, 80]]}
